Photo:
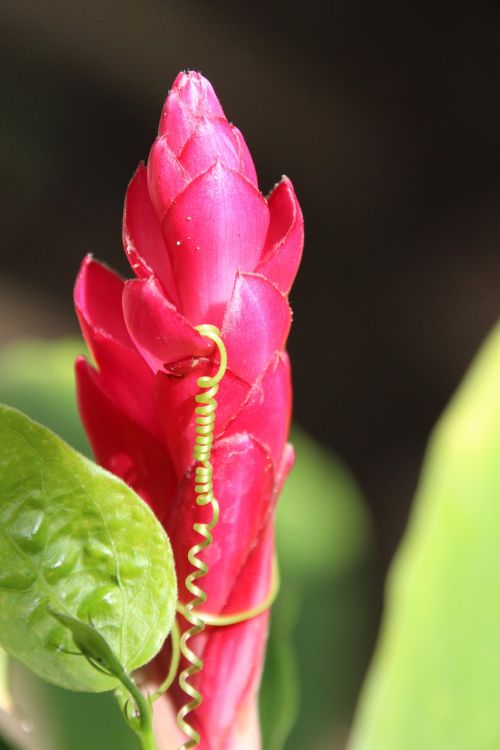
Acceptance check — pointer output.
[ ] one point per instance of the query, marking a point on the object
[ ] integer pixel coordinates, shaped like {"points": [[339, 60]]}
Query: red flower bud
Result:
{"points": [[206, 247]]}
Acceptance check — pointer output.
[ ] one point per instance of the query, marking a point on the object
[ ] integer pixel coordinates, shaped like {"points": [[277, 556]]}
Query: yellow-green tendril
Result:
{"points": [[217, 621], [205, 419], [174, 663], [247, 614]]}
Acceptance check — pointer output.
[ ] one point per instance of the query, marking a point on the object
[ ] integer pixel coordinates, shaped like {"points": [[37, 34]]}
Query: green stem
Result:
{"points": [[144, 727], [147, 740]]}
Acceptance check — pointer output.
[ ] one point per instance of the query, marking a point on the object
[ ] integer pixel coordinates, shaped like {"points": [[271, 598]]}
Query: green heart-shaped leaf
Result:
{"points": [[76, 540]]}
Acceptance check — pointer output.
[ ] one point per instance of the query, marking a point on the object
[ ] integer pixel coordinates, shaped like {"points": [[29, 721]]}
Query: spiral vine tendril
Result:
{"points": [[205, 420]]}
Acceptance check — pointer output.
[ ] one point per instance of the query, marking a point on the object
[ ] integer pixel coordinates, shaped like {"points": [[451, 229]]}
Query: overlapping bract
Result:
{"points": [[206, 247]]}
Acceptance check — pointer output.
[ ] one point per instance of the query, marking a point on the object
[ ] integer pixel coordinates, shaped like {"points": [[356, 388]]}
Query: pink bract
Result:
{"points": [[205, 247]]}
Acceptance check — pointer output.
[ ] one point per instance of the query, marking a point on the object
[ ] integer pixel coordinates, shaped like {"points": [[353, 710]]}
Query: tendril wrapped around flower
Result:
{"points": [[206, 247]]}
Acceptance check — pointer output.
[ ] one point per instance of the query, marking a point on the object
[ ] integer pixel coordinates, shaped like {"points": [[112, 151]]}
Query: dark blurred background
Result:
{"points": [[386, 116]]}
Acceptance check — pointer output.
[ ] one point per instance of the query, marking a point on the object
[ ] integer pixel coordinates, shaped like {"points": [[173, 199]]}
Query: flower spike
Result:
{"points": [[204, 244]]}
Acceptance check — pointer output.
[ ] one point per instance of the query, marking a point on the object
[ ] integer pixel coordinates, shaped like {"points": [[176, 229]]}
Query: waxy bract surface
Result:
{"points": [[205, 247]]}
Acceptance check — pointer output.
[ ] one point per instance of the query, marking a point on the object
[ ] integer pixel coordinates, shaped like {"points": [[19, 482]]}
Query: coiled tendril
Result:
{"points": [[205, 419]]}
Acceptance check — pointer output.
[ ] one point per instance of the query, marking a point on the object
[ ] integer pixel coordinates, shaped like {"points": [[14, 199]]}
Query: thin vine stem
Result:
{"points": [[174, 662], [142, 724]]}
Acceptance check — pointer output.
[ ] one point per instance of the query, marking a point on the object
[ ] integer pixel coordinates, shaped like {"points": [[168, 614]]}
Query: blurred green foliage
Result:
{"points": [[322, 621], [36, 377], [435, 681], [4, 680], [325, 609]]}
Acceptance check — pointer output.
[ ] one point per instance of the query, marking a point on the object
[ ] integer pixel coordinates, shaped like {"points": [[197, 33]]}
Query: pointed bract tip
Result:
{"points": [[196, 93]]}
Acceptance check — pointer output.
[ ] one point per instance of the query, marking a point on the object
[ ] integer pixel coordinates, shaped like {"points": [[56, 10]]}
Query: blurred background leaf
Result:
{"points": [[321, 622], [36, 377], [325, 614], [280, 692], [435, 681], [5, 697]]}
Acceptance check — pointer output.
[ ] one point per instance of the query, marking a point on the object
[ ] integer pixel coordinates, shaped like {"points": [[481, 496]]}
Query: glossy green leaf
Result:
{"points": [[435, 681], [76, 540]]}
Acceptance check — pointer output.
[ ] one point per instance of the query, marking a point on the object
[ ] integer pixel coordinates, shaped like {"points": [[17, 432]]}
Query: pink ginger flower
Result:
{"points": [[205, 247]]}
